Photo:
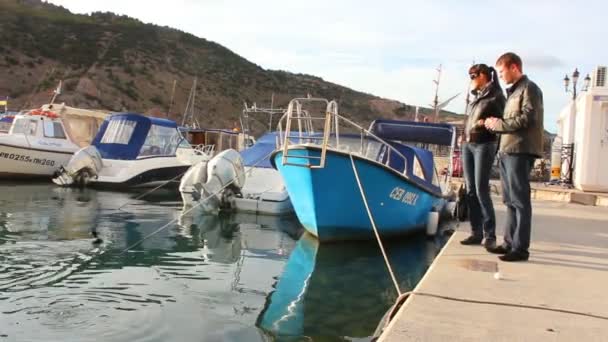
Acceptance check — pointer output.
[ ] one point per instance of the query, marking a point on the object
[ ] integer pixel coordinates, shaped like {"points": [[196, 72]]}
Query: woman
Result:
{"points": [[478, 152]]}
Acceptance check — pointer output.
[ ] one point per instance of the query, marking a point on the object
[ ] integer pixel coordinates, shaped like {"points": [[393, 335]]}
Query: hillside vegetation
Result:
{"points": [[119, 63]]}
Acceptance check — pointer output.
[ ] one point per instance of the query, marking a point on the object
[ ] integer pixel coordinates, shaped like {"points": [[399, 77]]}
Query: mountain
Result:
{"points": [[119, 63]]}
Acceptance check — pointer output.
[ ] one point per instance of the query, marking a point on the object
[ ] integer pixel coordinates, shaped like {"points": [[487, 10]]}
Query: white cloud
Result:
{"points": [[391, 48]]}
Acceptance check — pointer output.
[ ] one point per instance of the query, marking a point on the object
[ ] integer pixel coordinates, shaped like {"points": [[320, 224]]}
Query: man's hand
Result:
{"points": [[491, 123]]}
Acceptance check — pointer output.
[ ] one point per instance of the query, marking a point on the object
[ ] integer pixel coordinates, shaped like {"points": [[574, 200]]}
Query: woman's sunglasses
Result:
{"points": [[473, 76]]}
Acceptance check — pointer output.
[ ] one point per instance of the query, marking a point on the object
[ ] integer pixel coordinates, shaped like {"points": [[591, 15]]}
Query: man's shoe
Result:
{"points": [[472, 240], [489, 244], [502, 249], [514, 256]]}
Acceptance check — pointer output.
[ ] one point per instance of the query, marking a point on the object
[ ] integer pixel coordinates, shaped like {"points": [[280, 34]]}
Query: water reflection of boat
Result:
{"points": [[155, 280], [343, 290]]}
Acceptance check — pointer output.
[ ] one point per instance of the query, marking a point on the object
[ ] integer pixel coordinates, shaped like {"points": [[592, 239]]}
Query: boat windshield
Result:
{"points": [[118, 132], [53, 129], [161, 141], [25, 126]]}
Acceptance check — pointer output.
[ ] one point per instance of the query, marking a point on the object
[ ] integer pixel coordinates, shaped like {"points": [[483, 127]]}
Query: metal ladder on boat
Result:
{"points": [[306, 132]]}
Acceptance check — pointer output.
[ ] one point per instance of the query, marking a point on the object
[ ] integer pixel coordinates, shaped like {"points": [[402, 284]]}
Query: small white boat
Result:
{"points": [[255, 187], [264, 191], [132, 150], [42, 140]]}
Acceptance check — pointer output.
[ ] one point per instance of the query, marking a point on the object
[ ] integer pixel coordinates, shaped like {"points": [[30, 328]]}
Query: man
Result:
{"points": [[521, 141]]}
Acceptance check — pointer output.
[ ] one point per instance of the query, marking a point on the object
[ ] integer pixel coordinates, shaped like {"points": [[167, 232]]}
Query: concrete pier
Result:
{"points": [[560, 294], [542, 191]]}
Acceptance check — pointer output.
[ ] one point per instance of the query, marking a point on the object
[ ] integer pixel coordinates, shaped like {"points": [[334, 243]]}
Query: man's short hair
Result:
{"points": [[509, 59]]}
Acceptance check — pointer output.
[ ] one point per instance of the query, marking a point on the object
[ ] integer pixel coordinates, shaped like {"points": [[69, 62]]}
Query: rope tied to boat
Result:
{"points": [[375, 229]]}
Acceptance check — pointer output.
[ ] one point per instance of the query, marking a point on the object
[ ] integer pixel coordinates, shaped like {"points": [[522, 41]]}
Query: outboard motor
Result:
{"points": [[84, 165], [211, 184]]}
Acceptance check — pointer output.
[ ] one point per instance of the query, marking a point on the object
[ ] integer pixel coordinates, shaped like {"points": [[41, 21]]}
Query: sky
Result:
{"points": [[392, 49]]}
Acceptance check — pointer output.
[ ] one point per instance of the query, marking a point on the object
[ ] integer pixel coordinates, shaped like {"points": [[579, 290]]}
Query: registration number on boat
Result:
{"points": [[407, 197], [27, 159]]}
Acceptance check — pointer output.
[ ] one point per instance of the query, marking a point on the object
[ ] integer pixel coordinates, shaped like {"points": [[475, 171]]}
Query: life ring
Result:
{"points": [[47, 113]]}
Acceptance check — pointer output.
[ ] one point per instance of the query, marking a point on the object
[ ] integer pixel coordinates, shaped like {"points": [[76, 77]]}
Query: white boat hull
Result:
{"points": [[24, 162], [144, 172], [263, 193]]}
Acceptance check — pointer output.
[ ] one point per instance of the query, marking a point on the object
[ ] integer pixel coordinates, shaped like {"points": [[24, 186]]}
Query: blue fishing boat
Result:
{"points": [[342, 184]]}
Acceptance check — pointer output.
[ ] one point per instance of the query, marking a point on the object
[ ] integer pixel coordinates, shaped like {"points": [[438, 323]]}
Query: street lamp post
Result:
{"points": [[568, 148]]}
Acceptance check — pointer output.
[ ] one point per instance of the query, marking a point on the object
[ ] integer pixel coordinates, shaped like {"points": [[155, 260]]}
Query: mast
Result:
{"points": [[172, 97], [189, 110], [467, 100], [436, 100]]}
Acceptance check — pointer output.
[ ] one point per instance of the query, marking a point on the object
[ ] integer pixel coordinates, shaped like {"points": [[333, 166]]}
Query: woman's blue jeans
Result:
{"points": [[477, 163]]}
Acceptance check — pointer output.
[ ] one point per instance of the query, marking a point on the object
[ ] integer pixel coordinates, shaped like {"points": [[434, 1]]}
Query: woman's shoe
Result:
{"points": [[489, 244], [472, 240]]}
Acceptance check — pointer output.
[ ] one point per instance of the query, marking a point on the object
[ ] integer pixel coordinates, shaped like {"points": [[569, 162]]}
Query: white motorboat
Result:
{"points": [[42, 140], [254, 186], [264, 191], [132, 150]]}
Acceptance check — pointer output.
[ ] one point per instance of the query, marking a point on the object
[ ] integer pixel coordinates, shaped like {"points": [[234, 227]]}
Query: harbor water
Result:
{"points": [[236, 277]]}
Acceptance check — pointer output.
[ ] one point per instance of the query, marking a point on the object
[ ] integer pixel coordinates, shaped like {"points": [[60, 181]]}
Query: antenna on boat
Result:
{"points": [[56, 92], [172, 97]]}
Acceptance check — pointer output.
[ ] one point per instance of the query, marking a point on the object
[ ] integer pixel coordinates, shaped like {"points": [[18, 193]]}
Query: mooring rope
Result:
{"points": [[156, 188], [371, 219]]}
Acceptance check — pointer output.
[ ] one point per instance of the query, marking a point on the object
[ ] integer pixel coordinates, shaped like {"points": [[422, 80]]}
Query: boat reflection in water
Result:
{"points": [[141, 283], [341, 290]]}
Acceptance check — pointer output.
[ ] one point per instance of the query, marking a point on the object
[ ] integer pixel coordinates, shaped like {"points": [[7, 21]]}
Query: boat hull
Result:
{"points": [[23, 162], [264, 193], [329, 204], [140, 173]]}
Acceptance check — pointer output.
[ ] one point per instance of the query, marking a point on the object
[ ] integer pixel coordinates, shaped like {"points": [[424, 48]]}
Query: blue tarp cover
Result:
{"points": [[410, 131], [261, 150], [127, 150]]}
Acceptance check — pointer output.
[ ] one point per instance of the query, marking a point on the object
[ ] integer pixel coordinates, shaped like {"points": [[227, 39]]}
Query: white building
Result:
{"points": [[585, 123]]}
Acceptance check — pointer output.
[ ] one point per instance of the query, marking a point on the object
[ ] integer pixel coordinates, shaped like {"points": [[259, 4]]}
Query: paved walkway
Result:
{"points": [[568, 270]]}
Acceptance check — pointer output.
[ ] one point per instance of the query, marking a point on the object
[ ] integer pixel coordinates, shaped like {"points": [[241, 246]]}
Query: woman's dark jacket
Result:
{"points": [[488, 102]]}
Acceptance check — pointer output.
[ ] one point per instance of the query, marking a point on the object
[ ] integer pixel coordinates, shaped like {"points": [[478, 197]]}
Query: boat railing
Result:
{"points": [[297, 127], [203, 149]]}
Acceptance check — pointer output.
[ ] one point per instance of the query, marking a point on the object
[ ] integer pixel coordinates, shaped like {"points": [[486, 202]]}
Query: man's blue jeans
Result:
{"points": [[515, 176], [477, 162]]}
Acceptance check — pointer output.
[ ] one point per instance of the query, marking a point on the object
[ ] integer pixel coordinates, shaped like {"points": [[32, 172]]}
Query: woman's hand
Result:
{"points": [[491, 123]]}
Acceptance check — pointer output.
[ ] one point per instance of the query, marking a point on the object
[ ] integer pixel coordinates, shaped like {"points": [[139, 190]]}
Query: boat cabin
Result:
{"points": [[130, 136]]}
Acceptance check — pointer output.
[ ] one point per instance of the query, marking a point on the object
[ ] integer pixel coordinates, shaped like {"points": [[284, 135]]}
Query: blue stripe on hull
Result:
{"points": [[329, 205]]}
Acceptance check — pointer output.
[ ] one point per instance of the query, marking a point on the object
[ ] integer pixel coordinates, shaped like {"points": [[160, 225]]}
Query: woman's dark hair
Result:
{"points": [[489, 71]]}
